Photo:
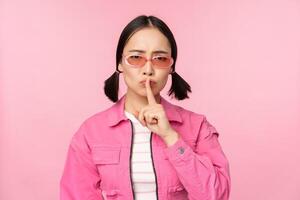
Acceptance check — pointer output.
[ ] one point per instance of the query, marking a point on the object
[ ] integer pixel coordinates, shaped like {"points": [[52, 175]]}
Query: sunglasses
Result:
{"points": [[159, 61]]}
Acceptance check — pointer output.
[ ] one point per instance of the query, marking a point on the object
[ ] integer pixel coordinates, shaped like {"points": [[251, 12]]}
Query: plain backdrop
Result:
{"points": [[241, 58]]}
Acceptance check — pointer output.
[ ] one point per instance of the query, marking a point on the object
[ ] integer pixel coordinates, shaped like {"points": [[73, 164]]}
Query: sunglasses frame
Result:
{"points": [[150, 59]]}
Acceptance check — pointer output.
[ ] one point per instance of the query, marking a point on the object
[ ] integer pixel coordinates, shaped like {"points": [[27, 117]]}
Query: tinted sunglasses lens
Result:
{"points": [[162, 61], [136, 60]]}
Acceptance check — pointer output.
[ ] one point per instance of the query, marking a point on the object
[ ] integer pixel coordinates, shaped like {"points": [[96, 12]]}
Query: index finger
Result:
{"points": [[150, 96]]}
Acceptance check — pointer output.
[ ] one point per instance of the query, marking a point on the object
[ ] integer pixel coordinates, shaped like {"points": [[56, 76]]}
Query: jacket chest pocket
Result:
{"points": [[106, 155], [107, 160]]}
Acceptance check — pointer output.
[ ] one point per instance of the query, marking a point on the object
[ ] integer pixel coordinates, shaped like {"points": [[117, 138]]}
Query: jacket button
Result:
{"points": [[181, 150]]}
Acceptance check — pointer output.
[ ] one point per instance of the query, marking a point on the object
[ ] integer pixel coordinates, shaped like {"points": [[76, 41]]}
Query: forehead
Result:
{"points": [[148, 39]]}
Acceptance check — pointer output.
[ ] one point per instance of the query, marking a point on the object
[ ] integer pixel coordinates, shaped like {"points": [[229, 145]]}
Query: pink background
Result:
{"points": [[242, 59]]}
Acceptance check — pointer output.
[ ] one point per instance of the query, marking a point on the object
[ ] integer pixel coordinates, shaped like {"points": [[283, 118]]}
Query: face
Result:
{"points": [[150, 43]]}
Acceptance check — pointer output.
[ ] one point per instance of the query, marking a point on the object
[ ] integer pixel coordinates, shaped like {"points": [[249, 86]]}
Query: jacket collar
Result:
{"points": [[116, 111]]}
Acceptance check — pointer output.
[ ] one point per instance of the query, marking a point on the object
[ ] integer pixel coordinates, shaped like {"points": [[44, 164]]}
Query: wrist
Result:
{"points": [[171, 138]]}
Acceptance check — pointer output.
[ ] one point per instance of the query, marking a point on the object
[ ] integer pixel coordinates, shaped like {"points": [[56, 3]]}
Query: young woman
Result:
{"points": [[143, 147]]}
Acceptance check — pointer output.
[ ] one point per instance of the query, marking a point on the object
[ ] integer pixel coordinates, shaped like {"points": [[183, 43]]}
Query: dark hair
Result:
{"points": [[179, 86]]}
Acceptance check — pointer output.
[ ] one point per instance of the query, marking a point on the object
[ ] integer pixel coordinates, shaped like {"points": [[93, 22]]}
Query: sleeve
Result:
{"points": [[80, 179], [204, 172]]}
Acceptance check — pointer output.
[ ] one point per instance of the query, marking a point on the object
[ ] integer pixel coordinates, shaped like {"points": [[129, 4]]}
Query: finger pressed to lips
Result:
{"points": [[150, 96], [151, 84], [151, 101]]}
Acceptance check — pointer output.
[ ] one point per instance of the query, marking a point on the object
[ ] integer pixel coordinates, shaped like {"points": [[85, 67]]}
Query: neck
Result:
{"points": [[134, 102]]}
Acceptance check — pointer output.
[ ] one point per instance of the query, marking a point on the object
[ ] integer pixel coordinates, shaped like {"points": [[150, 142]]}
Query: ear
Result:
{"points": [[120, 67]]}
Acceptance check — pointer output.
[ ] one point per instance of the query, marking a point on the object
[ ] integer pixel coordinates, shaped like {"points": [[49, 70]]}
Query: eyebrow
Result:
{"points": [[142, 51]]}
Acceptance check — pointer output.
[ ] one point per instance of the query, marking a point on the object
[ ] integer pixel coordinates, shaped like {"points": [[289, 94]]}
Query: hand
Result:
{"points": [[153, 115]]}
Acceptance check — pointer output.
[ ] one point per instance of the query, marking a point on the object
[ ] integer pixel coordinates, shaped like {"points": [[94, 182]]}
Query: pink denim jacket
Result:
{"points": [[98, 159]]}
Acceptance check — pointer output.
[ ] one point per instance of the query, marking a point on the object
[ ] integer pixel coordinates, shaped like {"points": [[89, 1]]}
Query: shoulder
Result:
{"points": [[90, 129], [197, 121], [189, 115]]}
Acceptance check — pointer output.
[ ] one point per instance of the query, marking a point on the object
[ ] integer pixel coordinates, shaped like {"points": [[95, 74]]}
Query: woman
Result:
{"points": [[144, 147]]}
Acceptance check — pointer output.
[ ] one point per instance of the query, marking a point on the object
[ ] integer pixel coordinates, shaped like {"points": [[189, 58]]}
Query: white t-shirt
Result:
{"points": [[143, 177]]}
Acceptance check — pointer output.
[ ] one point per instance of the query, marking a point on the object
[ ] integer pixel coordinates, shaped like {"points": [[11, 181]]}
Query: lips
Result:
{"points": [[151, 82]]}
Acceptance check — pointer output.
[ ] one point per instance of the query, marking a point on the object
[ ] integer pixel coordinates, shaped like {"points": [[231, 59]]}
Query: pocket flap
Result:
{"points": [[106, 154]]}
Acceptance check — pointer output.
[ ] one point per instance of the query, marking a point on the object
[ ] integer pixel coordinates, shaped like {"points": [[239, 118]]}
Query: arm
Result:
{"points": [[80, 179], [205, 172]]}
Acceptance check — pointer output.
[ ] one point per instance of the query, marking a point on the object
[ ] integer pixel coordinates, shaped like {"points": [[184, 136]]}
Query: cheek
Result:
{"points": [[163, 81], [130, 78], [132, 82], [161, 84]]}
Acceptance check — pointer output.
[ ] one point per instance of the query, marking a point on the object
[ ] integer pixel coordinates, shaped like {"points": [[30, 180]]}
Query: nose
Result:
{"points": [[148, 68]]}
